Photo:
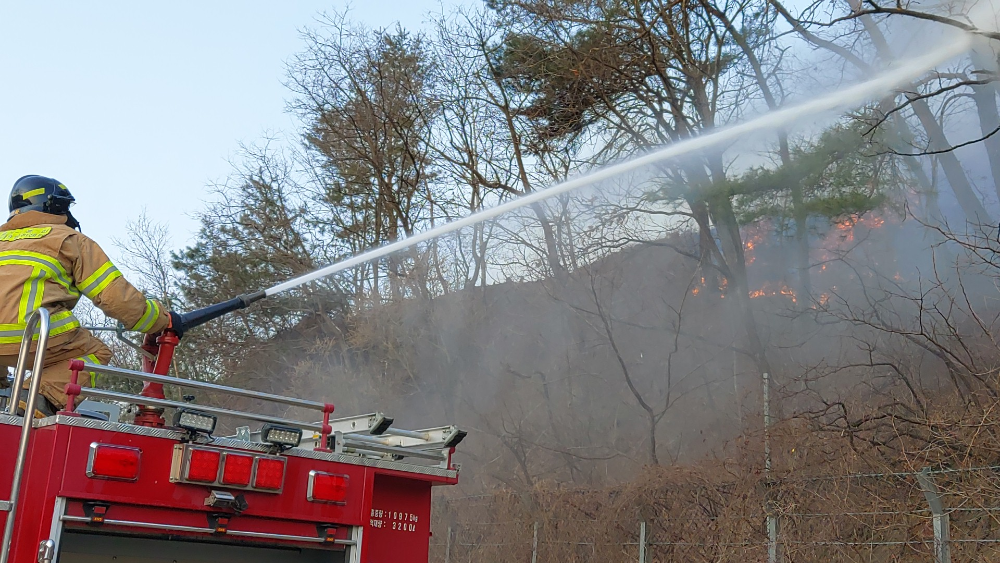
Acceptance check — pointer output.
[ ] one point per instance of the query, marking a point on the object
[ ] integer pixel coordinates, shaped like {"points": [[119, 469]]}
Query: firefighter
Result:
{"points": [[46, 262]]}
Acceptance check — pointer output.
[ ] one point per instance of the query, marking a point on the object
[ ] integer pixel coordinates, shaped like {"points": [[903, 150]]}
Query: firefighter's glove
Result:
{"points": [[176, 324]]}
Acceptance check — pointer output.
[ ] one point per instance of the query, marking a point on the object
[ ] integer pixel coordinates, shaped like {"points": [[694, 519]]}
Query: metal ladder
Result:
{"points": [[40, 320], [372, 435]]}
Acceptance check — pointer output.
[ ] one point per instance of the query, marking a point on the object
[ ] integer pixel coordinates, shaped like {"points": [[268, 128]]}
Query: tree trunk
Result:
{"points": [[985, 96], [938, 141], [732, 248]]}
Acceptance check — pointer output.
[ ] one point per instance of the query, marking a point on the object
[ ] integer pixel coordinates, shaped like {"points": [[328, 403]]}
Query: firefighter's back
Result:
{"points": [[35, 272]]}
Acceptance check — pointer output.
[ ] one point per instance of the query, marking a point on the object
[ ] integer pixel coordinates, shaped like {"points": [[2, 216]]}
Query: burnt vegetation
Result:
{"points": [[606, 349]]}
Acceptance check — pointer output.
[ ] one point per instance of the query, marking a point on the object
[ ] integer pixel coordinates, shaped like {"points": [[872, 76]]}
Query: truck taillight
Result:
{"points": [[327, 487], [270, 473], [237, 469], [203, 465], [108, 461]]}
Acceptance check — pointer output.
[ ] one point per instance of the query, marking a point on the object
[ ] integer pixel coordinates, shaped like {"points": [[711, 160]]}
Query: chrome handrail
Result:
{"points": [[77, 367], [201, 385], [218, 411], [40, 320]]}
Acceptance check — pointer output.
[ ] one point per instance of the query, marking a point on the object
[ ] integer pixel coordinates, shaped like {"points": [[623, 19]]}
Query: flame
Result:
{"points": [[764, 291], [753, 236], [702, 284], [874, 222], [842, 237], [846, 225], [846, 228], [786, 291]]}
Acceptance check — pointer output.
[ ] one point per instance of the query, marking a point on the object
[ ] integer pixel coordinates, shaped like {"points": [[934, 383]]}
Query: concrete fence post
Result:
{"points": [[940, 519], [642, 542], [534, 545], [773, 552]]}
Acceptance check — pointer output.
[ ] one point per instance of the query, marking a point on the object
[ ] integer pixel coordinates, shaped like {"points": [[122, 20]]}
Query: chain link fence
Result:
{"points": [[934, 516]]}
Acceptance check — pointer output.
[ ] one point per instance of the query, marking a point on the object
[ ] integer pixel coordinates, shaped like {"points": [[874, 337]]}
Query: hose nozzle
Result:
{"points": [[201, 316]]}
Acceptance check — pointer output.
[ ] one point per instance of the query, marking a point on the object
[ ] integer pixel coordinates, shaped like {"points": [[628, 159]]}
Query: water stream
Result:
{"points": [[842, 99]]}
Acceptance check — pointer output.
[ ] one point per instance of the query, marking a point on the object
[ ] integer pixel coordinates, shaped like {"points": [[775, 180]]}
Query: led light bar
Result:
{"points": [[195, 421], [281, 435]]}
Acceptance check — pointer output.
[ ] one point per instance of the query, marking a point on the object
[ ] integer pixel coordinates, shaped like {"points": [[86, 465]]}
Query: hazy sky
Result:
{"points": [[139, 104]]}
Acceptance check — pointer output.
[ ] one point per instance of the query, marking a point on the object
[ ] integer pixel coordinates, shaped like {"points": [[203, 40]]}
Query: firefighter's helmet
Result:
{"points": [[38, 193]]}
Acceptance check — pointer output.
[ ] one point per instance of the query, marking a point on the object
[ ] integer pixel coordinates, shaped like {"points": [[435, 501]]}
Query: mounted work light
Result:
{"points": [[195, 421], [283, 436]]}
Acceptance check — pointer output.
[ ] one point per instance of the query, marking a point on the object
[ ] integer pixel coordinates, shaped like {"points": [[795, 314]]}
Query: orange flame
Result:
{"points": [[764, 291]]}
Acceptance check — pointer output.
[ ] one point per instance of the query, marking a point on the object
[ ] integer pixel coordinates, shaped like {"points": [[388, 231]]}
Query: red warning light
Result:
{"points": [[236, 470], [327, 487], [270, 473], [203, 465], [113, 462]]}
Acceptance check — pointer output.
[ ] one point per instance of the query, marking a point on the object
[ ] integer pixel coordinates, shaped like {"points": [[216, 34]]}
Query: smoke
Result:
{"points": [[607, 336]]}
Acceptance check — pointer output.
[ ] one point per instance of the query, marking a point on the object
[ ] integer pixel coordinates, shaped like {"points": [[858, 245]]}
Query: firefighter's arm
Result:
{"points": [[98, 279]]}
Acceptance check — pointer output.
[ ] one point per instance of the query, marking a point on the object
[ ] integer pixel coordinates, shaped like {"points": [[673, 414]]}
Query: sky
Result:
{"points": [[142, 105]]}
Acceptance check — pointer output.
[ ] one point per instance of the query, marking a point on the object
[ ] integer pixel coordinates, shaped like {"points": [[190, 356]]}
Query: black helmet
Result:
{"points": [[38, 193]]}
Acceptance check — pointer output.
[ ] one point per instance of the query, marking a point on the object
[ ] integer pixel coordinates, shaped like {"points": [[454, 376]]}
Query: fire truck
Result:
{"points": [[142, 478]]}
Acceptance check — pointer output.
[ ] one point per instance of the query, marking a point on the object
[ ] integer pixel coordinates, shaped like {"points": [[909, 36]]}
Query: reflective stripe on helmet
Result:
{"points": [[59, 323], [95, 284], [33, 193], [148, 317]]}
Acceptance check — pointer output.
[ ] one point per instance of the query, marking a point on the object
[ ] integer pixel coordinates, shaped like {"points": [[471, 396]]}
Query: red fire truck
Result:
{"points": [[89, 486]]}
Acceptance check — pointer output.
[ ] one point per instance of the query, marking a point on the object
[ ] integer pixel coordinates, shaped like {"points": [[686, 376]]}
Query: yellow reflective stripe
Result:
{"points": [[149, 317], [28, 258], [22, 309], [97, 273], [33, 193], [94, 360], [96, 282], [63, 329], [53, 320], [55, 264], [36, 289], [112, 276], [59, 323], [28, 233], [59, 277]]}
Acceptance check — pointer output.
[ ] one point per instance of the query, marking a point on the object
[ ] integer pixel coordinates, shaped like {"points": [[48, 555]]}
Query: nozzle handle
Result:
{"points": [[201, 316]]}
